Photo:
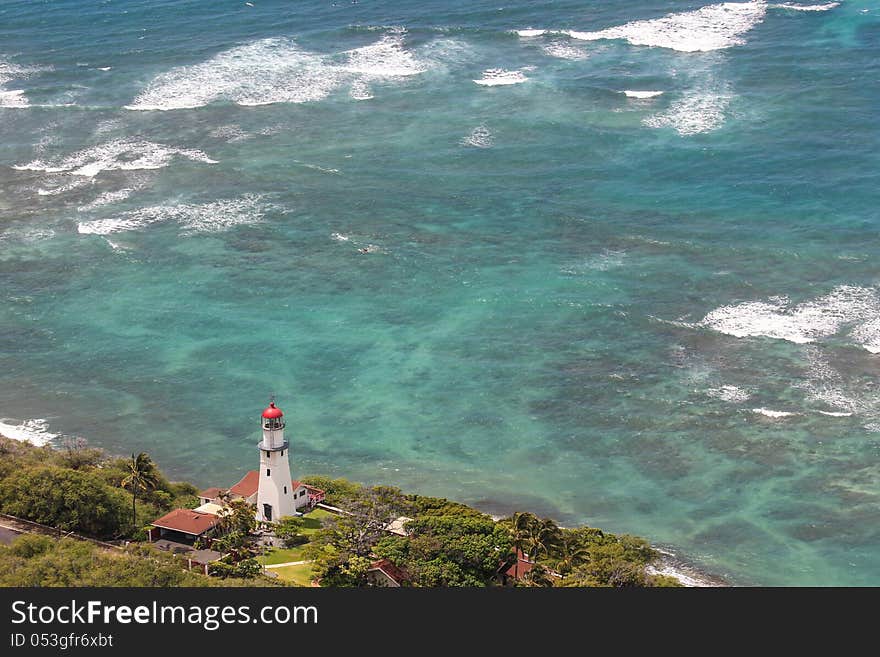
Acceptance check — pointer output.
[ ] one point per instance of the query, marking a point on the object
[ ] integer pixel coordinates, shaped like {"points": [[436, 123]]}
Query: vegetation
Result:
{"points": [[42, 561], [290, 530], [140, 476], [451, 544], [445, 543]]}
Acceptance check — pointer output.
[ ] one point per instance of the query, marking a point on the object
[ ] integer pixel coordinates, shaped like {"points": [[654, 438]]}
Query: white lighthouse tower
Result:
{"points": [[275, 491]]}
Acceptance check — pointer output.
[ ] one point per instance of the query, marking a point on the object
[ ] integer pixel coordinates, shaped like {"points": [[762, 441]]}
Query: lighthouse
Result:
{"points": [[275, 491]]}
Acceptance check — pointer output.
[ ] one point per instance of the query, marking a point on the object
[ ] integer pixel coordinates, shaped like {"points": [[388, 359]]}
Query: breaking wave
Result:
{"points": [[804, 322], [709, 28], [494, 77], [277, 71], [119, 154], [204, 217], [699, 110], [30, 431]]}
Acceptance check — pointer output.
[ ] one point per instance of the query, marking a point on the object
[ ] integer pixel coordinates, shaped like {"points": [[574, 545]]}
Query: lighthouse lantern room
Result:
{"points": [[274, 494]]}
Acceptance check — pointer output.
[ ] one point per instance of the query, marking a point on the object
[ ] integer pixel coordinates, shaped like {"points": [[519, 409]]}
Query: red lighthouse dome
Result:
{"points": [[272, 412]]}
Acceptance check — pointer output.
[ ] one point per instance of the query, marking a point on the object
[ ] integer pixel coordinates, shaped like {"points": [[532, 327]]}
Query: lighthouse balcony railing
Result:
{"points": [[266, 448]]}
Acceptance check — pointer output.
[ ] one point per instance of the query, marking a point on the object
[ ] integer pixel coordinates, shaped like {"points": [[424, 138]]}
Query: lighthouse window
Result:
{"points": [[267, 454], [285, 490], [268, 472]]}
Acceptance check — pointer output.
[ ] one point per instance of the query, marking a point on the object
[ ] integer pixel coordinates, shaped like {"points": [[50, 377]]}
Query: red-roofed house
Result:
{"points": [[183, 526], [385, 573], [520, 567], [303, 494], [211, 495], [246, 488]]}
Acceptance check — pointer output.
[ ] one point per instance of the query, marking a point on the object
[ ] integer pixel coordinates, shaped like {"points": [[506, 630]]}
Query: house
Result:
{"points": [[517, 569], [385, 574], [210, 495], [304, 496], [183, 526]]}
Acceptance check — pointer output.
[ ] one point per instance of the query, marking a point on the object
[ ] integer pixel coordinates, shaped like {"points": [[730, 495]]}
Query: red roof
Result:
{"points": [[311, 489], [392, 571], [247, 485], [272, 411], [187, 521], [521, 568], [211, 493]]}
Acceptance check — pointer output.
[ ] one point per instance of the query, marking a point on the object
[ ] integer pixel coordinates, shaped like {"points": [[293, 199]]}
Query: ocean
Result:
{"points": [[614, 263]]}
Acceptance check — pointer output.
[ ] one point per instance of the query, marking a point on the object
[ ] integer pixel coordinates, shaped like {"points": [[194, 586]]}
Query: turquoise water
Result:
{"points": [[654, 313]]}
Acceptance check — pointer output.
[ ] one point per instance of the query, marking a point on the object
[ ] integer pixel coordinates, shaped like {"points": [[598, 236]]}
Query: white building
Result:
{"points": [[275, 488]]}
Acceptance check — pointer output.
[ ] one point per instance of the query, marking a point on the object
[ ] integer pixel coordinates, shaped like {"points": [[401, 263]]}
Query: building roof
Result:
{"points": [[391, 571], [396, 526], [213, 509], [272, 411], [520, 567], [187, 521], [311, 489], [247, 485], [211, 493]]}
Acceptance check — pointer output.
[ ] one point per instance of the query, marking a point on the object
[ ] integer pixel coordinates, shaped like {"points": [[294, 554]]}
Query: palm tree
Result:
{"points": [[140, 476], [543, 534], [571, 554], [520, 529]]}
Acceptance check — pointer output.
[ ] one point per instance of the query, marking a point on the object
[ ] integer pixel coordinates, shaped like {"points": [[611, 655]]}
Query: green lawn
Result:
{"points": [[282, 555], [300, 575], [311, 524], [312, 520]]}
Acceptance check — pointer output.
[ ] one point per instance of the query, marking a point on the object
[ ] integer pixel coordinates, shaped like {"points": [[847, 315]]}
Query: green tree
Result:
{"points": [[140, 476], [367, 515], [569, 553], [289, 530], [67, 499]]}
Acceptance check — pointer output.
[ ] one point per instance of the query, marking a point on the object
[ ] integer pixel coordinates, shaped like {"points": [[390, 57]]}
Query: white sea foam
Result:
{"points": [[699, 110], [493, 77], [387, 58], [119, 154], [868, 335], [107, 198], [800, 323], [339, 237], [630, 93], [360, 90], [709, 28], [835, 414], [789, 5], [13, 99], [8, 73], [66, 187], [30, 431], [563, 50], [276, 71], [771, 413], [530, 33], [479, 137], [192, 217], [230, 133], [259, 73], [728, 393]]}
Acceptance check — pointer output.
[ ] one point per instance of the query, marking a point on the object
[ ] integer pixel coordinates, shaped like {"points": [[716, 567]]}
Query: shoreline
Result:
{"points": [[35, 432]]}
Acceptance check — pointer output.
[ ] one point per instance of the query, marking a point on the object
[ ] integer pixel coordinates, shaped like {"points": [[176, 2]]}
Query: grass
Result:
{"points": [[312, 521], [281, 555], [300, 575]]}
